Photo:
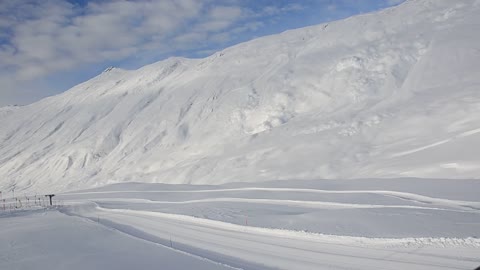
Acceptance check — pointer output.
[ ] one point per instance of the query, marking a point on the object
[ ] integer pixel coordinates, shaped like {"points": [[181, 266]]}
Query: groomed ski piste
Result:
{"points": [[323, 224]]}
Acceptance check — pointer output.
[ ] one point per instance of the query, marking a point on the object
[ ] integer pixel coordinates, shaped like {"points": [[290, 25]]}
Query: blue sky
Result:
{"points": [[48, 46]]}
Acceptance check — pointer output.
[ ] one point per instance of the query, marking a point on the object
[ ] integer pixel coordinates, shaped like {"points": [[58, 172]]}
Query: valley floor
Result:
{"points": [[324, 224]]}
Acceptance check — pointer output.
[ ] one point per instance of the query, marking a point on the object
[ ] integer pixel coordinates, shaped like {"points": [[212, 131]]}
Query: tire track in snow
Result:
{"points": [[139, 234], [282, 248]]}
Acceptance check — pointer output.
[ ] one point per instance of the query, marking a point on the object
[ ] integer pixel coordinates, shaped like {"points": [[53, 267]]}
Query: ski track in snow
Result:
{"points": [[400, 195], [461, 135], [420, 148]]}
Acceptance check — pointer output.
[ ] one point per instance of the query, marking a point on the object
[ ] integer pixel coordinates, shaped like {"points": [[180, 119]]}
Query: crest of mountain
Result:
{"points": [[388, 94]]}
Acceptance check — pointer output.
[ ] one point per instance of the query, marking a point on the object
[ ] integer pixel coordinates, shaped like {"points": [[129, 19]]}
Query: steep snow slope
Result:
{"points": [[393, 93], [4, 111]]}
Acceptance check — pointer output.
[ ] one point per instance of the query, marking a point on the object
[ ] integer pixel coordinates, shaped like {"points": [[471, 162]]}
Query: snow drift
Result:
{"points": [[389, 94]]}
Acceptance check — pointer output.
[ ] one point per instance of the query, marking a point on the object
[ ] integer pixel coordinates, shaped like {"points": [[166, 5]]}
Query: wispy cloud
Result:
{"points": [[394, 2]]}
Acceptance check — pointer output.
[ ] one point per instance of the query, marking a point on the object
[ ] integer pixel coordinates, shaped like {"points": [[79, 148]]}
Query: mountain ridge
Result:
{"points": [[368, 96]]}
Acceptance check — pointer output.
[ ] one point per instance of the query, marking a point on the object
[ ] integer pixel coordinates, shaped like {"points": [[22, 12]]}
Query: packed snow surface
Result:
{"points": [[388, 94], [51, 240], [324, 224]]}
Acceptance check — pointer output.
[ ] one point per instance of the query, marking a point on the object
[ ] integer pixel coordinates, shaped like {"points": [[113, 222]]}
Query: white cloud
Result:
{"points": [[41, 37], [274, 10], [225, 13], [47, 36], [394, 2], [331, 7]]}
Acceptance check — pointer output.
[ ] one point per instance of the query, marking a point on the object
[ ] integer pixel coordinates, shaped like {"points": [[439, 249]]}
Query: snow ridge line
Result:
{"points": [[307, 204], [397, 194]]}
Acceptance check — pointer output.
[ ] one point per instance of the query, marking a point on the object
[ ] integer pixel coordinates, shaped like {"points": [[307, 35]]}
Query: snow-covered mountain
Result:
{"points": [[388, 94]]}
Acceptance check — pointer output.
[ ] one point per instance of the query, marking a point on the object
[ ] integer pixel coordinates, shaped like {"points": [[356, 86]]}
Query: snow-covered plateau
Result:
{"points": [[348, 145]]}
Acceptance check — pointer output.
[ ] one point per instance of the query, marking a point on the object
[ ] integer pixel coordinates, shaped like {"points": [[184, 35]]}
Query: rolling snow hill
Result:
{"points": [[389, 94]]}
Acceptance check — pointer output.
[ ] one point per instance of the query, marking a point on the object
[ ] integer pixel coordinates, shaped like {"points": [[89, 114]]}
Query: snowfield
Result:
{"points": [[347, 145], [322, 224]]}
